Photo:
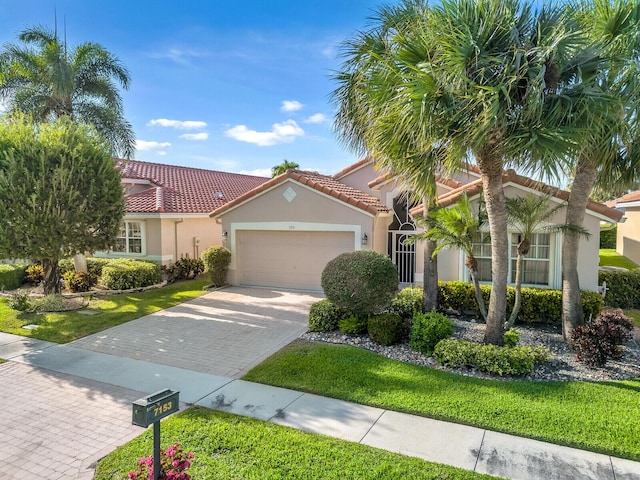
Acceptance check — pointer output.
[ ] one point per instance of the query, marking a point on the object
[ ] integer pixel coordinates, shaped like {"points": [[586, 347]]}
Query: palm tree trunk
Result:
{"points": [[576, 207], [430, 281], [518, 297], [478, 291], [51, 281], [491, 170]]}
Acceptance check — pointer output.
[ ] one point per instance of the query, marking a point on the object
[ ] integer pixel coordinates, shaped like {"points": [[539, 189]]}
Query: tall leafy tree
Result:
{"points": [[427, 87], [46, 79], [610, 152], [283, 167], [60, 193], [526, 216]]}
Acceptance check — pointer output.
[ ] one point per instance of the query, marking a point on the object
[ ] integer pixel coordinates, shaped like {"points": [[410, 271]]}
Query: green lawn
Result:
{"points": [[63, 327], [602, 417], [609, 258], [232, 447]]}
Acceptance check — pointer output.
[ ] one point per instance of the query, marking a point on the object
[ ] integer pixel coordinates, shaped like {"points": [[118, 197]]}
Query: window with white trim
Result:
{"points": [[536, 265], [129, 239]]}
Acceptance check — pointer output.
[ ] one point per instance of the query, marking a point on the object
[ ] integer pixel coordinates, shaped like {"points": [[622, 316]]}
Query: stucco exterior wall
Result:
{"points": [[360, 179], [628, 236]]}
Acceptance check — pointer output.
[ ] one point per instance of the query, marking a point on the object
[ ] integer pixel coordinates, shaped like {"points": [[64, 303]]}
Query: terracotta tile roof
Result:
{"points": [[175, 189], [346, 170], [510, 176], [322, 183], [629, 197]]}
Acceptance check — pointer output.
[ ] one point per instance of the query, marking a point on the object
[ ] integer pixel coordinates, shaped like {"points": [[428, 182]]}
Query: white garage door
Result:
{"points": [[288, 259]]}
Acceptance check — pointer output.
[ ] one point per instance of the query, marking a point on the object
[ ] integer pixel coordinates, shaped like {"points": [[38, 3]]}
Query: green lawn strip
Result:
{"points": [[634, 315], [228, 446], [601, 417], [63, 327], [609, 258]]}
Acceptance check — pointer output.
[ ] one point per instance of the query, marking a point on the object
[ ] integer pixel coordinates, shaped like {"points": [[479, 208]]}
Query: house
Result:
{"points": [[167, 209], [628, 234], [284, 231]]}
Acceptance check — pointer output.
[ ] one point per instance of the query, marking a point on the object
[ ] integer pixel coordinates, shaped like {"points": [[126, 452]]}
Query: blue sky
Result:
{"points": [[223, 85]]}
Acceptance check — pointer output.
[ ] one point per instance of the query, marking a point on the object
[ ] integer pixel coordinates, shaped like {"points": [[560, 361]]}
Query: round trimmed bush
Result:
{"points": [[324, 316], [386, 329], [428, 329], [362, 282], [216, 262], [353, 325], [407, 302]]}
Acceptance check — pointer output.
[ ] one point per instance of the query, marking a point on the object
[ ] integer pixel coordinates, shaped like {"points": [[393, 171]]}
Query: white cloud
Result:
{"points": [[291, 106], [143, 145], [258, 172], [195, 136], [180, 55], [161, 152], [179, 124], [284, 132], [316, 118]]}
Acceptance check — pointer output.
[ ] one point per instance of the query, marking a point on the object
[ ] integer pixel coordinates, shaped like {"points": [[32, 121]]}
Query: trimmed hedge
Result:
{"points": [[407, 302], [623, 288], [428, 329], [94, 265], [386, 329], [12, 276], [324, 316], [539, 305], [608, 238], [489, 358], [216, 262], [123, 274]]}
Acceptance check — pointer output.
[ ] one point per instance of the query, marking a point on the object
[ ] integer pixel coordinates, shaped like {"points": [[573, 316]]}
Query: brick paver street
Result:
{"points": [[56, 426]]}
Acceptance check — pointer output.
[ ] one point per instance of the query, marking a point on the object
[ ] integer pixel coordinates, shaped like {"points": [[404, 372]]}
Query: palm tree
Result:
{"points": [[426, 87], [609, 154], [283, 167], [528, 215], [50, 82], [459, 227]]}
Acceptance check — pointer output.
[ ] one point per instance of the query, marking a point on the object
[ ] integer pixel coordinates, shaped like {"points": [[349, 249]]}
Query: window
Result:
{"points": [[129, 239], [536, 265]]}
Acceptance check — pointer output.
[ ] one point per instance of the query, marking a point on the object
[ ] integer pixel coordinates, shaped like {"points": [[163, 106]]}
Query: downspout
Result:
{"points": [[175, 232]]}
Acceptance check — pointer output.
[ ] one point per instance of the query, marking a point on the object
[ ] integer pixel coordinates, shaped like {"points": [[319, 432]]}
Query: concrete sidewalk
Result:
{"points": [[449, 443]]}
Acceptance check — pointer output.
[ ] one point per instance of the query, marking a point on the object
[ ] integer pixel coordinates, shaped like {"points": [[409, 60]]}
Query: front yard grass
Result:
{"points": [[601, 417], [610, 258], [232, 447], [63, 327]]}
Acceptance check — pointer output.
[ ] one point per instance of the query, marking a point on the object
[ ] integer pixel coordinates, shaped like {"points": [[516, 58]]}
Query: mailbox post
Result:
{"points": [[152, 409]]}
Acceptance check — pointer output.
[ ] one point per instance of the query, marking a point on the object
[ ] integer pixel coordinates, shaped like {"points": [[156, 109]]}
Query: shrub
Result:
{"points": [[511, 338], [539, 305], [595, 342], [79, 281], [623, 288], [185, 268], [324, 316], [428, 329], [353, 325], [489, 358], [385, 329], [66, 265], [123, 274], [174, 463], [48, 303], [20, 301], [216, 261], [407, 302], [362, 282], [11, 276], [34, 274], [94, 265], [608, 238]]}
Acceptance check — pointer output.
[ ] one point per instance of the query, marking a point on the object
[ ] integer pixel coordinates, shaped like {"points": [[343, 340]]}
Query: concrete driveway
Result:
{"points": [[226, 332]]}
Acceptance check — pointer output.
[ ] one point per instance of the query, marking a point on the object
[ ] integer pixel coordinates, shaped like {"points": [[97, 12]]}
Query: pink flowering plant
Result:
{"points": [[173, 465]]}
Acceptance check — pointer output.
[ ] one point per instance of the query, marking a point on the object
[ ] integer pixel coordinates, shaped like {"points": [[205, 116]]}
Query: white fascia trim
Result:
{"points": [[292, 227], [137, 181], [364, 212], [143, 216], [136, 256], [624, 205], [366, 164]]}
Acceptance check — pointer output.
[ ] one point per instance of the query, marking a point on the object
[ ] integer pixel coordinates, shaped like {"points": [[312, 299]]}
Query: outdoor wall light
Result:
{"points": [[365, 239], [225, 234]]}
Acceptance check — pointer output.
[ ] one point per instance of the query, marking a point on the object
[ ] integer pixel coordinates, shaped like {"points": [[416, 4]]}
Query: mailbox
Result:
{"points": [[155, 407]]}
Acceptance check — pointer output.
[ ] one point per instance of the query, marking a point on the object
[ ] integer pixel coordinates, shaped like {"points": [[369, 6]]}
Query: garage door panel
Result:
{"points": [[288, 259]]}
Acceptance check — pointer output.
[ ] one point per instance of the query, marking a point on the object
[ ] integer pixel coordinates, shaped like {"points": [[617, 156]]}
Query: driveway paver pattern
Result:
{"points": [[226, 332]]}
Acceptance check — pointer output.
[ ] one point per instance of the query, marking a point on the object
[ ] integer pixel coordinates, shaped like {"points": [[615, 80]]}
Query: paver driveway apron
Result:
{"points": [[226, 332]]}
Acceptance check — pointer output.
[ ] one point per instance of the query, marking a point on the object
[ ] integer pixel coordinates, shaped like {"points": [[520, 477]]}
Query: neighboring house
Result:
{"points": [[167, 210], [283, 232], [628, 234]]}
